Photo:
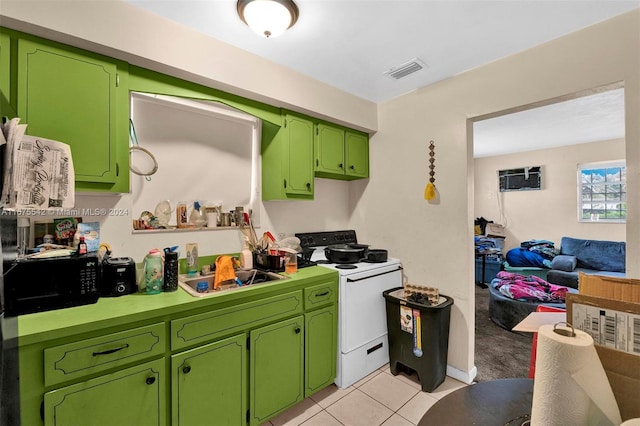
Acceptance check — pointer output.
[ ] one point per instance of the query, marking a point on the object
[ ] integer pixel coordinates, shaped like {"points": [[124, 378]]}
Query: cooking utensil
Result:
{"points": [[270, 262], [307, 253], [344, 253], [377, 255]]}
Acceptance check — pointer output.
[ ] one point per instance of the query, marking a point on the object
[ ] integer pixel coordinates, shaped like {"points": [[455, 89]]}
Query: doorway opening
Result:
{"points": [[553, 137]]}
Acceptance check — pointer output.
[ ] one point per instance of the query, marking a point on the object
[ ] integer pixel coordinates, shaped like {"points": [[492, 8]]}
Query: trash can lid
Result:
{"points": [[397, 294]]}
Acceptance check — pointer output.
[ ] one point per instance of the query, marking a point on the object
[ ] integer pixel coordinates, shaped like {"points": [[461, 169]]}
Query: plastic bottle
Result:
{"points": [[153, 271], [170, 282], [192, 259], [246, 257], [24, 225]]}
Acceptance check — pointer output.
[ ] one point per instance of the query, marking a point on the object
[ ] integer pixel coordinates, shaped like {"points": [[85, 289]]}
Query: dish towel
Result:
{"points": [[224, 271]]}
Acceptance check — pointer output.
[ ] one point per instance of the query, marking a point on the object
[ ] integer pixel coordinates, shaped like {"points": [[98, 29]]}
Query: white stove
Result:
{"points": [[362, 320]]}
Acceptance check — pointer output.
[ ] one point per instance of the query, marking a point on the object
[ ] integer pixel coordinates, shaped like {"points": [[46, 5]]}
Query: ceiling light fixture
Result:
{"points": [[268, 18]]}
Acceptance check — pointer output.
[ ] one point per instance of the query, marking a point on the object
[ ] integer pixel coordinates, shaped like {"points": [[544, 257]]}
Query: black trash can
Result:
{"points": [[418, 337]]}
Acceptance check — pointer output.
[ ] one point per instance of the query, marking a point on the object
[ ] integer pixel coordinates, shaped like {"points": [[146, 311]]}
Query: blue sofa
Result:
{"points": [[587, 256]]}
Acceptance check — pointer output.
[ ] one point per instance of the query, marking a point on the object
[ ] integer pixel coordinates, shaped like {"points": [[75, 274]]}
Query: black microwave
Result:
{"points": [[43, 284]]}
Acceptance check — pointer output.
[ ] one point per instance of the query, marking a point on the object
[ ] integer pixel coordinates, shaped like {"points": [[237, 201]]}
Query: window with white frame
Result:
{"points": [[602, 192]]}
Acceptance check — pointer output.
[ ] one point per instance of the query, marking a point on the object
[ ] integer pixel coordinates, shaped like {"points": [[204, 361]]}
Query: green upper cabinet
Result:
{"points": [[287, 161], [6, 109], [329, 149], [340, 153], [81, 99], [356, 154]]}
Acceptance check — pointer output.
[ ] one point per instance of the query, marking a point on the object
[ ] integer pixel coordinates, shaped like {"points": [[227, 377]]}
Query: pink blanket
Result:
{"points": [[529, 288]]}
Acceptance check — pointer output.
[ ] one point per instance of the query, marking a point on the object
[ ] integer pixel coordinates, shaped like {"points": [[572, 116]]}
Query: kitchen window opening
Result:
{"points": [[206, 151], [602, 192]]}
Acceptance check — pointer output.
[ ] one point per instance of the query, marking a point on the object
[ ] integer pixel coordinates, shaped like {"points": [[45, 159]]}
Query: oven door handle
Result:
{"points": [[376, 275]]}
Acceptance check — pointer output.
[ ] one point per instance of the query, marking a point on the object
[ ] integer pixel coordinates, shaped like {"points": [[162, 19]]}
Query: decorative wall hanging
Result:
{"points": [[430, 191]]}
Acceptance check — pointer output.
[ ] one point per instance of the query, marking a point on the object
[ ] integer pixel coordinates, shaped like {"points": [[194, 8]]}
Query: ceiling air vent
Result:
{"points": [[404, 70]]}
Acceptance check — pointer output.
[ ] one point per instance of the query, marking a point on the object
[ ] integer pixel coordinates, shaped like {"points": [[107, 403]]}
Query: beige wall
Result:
{"points": [[434, 241], [550, 213], [388, 210]]}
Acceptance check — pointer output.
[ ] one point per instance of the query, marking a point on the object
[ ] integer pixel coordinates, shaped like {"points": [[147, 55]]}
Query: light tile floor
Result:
{"points": [[379, 399]]}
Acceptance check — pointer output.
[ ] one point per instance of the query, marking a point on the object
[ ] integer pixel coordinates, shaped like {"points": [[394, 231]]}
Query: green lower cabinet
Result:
{"points": [[320, 348], [209, 384], [134, 396], [276, 363]]}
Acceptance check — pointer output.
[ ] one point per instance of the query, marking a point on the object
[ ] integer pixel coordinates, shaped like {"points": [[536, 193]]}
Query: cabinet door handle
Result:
{"points": [[308, 186], [322, 294], [110, 351], [285, 183], [352, 167], [150, 380], [297, 330], [341, 165], [186, 369]]}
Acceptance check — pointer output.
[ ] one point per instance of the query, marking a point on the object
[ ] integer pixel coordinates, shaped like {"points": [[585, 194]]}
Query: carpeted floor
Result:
{"points": [[499, 354]]}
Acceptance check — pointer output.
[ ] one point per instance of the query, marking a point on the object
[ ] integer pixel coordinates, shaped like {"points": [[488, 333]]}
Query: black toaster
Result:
{"points": [[118, 277]]}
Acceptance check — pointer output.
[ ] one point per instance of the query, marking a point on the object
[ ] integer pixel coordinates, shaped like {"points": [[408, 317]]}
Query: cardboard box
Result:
{"points": [[494, 230], [615, 328], [625, 289]]}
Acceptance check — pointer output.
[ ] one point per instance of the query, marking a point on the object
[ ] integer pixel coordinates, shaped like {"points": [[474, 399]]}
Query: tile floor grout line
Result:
{"points": [[384, 405]]}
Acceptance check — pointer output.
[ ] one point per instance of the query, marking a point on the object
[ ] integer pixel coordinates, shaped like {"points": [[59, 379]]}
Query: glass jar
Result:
{"points": [[290, 263]]}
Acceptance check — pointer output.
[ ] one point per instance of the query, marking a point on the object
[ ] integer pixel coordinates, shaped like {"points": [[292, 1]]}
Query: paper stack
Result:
{"points": [[37, 173]]}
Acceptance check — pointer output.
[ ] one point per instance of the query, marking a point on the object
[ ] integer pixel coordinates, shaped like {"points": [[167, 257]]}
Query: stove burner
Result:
{"points": [[346, 266]]}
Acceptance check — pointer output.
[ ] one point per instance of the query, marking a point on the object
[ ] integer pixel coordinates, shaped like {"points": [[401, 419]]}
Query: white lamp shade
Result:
{"points": [[267, 18]]}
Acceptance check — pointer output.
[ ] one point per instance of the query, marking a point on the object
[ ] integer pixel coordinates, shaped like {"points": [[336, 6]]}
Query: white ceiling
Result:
{"points": [[350, 44], [587, 119]]}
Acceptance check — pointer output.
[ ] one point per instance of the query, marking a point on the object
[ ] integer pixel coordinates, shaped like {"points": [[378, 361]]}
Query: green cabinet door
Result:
{"points": [[71, 96], [287, 161], [209, 384], [356, 149], [276, 364], [299, 133], [134, 396], [6, 109], [320, 339], [329, 149], [340, 153]]}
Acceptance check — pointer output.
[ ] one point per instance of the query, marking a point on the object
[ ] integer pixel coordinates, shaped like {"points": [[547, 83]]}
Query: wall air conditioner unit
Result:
{"points": [[523, 179]]}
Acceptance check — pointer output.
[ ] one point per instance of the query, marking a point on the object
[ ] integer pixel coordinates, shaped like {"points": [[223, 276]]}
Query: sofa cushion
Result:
{"points": [[564, 262], [567, 279], [571, 279], [596, 254]]}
